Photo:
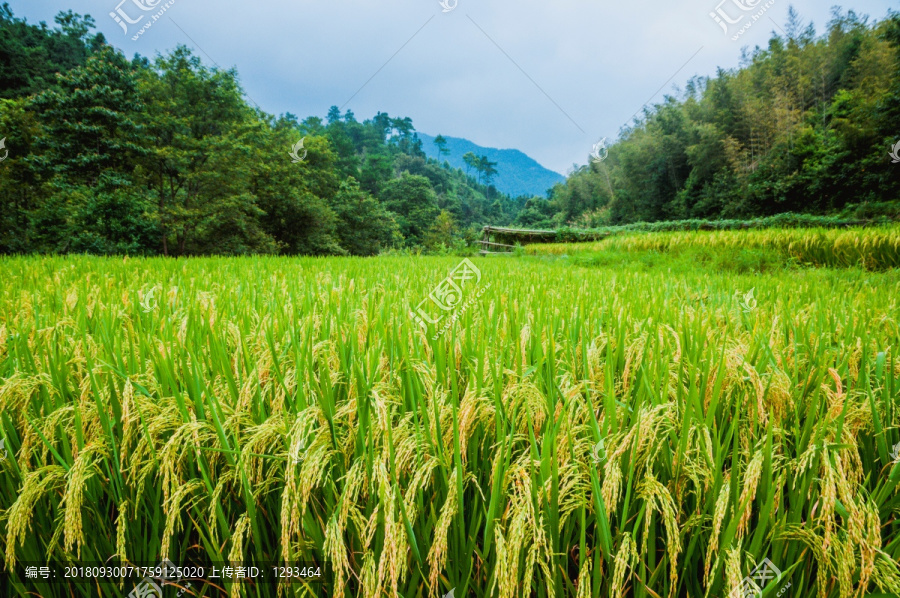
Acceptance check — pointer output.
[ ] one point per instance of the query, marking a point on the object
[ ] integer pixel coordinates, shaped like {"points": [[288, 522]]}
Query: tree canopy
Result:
{"points": [[805, 125], [166, 156]]}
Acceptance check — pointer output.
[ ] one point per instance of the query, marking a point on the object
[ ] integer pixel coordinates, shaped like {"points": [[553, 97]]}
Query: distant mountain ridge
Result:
{"points": [[517, 173]]}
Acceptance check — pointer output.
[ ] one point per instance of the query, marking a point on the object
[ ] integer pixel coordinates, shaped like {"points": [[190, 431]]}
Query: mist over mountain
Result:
{"points": [[517, 175]]}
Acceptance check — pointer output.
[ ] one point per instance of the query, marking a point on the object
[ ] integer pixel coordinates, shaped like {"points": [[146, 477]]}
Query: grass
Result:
{"points": [[872, 248], [612, 430], [858, 215]]}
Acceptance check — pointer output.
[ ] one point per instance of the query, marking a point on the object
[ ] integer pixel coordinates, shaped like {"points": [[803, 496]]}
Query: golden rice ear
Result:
{"points": [[751, 478], [121, 532], [337, 553], [236, 555], [82, 471], [225, 483], [612, 484], [886, 577], [733, 575], [719, 514], [175, 508], [583, 585], [368, 579], [437, 554], [626, 557], [657, 499], [37, 485]]}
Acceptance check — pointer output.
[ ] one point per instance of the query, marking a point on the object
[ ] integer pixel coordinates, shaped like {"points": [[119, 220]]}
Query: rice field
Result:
{"points": [[579, 431], [868, 248]]}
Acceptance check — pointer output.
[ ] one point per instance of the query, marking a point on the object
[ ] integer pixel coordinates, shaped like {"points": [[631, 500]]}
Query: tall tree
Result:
{"points": [[88, 148], [364, 226], [414, 203], [803, 126], [91, 121], [440, 234], [472, 162], [21, 189], [31, 56], [198, 171], [487, 169], [441, 144]]}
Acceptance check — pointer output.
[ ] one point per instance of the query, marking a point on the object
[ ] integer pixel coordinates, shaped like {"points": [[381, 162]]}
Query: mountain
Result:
{"points": [[517, 174]]}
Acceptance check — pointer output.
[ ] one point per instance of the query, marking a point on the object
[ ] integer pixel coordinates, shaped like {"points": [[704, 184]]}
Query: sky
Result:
{"points": [[550, 78]]}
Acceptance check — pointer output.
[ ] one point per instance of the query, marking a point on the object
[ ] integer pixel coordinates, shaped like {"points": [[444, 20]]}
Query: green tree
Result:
{"points": [[31, 56], [803, 126], [347, 158], [334, 115], [487, 169], [89, 145], [111, 221], [441, 233], [198, 172], [376, 172], [90, 121], [364, 226], [472, 162], [166, 156], [441, 144], [20, 183], [292, 196], [413, 201]]}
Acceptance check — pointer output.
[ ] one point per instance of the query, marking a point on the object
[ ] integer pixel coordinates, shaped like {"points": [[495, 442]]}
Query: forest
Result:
{"points": [[806, 125], [166, 156]]}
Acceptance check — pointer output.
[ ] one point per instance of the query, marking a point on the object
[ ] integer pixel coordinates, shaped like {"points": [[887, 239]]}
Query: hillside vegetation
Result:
{"points": [[169, 157], [517, 174], [805, 124]]}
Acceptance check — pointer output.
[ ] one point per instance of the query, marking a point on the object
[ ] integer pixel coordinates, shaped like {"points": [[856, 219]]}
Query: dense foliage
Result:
{"points": [[806, 125], [854, 217], [166, 156]]}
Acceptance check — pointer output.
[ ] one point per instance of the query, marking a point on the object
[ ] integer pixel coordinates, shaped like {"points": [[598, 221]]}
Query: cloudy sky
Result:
{"points": [[547, 77]]}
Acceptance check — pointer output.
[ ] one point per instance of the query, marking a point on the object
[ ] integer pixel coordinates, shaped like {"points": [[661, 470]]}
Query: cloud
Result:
{"points": [[599, 62]]}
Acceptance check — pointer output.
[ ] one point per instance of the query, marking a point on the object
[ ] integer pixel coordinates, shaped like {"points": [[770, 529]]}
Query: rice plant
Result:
{"points": [[869, 248], [583, 432]]}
